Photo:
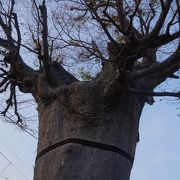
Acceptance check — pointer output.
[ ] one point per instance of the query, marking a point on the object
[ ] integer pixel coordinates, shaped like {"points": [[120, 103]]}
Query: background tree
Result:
{"points": [[87, 129]]}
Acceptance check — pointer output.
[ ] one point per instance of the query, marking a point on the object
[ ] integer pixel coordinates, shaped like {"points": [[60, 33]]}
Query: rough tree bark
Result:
{"points": [[106, 109], [96, 110], [83, 111], [101, 110]]}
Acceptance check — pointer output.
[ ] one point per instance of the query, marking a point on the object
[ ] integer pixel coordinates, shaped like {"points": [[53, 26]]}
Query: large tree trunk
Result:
{"points": [[83, 110], [105, 110]]}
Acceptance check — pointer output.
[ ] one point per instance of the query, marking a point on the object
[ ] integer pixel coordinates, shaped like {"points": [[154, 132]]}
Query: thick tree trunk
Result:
{"points": [[83, 111]]}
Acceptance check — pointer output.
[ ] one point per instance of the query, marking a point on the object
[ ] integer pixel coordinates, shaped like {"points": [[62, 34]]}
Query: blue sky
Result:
{"points": [[157, 154], [20, 149]]}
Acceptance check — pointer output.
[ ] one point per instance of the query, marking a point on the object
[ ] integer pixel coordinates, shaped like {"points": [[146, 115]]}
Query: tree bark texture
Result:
{"points": [[98, 110], [106, 109], [83, 110]]}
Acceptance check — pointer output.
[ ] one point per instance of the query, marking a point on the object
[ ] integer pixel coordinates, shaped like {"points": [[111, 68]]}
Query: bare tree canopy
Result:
{"points": [[41, 40]]}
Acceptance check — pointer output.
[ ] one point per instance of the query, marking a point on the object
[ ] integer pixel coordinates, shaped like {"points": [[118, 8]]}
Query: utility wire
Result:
{"points": [[2, 172], [30, 134], [29, 145], [2, 175], [25, 130], [17, 157], [14, 166]]}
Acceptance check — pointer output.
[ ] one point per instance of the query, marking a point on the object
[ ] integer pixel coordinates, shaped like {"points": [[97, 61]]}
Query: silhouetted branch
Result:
{"points": [[160, 20], [45, 46], [150, 93], [172, 64]]}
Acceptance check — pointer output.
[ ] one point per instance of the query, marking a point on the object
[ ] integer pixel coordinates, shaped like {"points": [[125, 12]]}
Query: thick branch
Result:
{"points": [[164, 39], [4, 43], [18, 32], [171, 62], [19, 71], [43, 10], [7, 28], [161, 19], [103, 27], [126, 27], [150, 93]]}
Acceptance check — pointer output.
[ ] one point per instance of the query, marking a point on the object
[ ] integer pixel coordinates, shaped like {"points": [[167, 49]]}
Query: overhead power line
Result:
{"points": [[2, 172], [20, 172], [17, 157]]}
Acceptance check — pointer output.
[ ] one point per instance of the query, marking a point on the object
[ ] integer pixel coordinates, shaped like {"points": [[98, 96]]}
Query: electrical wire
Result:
{"points": [[17, 157], [2, 172], [25, 130], [20, 172], [29, 145]]}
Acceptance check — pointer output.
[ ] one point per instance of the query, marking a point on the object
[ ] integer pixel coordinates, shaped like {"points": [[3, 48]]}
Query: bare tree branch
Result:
{"points": [[45, 46], [171, 62], [160, 20], [150, 93]]}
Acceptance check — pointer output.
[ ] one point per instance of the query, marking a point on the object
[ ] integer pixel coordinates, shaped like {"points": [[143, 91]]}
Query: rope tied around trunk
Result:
{"points": [[88, 143]]}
